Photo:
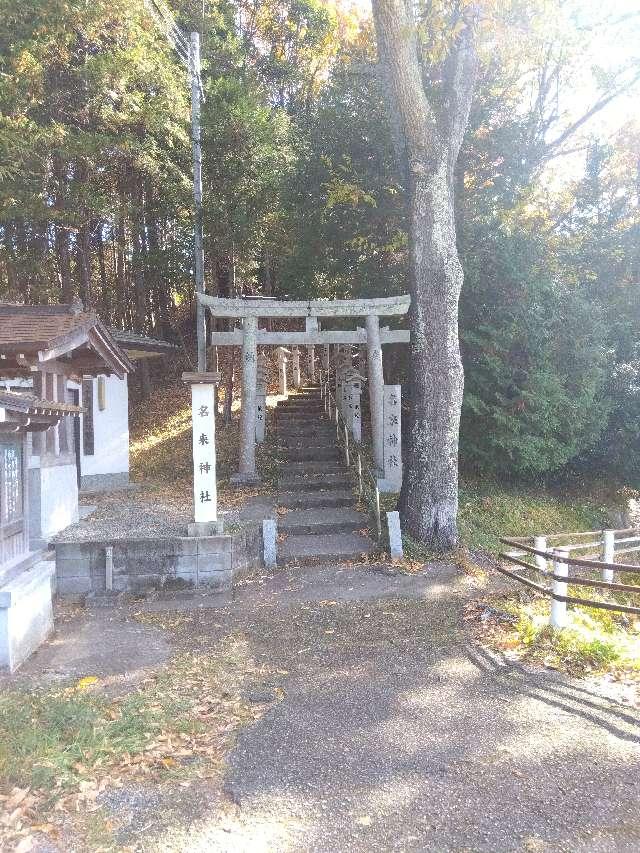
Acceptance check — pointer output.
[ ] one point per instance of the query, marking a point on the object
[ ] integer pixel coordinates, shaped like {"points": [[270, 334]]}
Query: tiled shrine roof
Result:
{"points": [[40, 333]]}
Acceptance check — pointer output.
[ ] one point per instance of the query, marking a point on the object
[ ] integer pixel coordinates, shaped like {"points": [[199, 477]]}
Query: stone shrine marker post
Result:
{"points": [[203, 422], [261, 399], [282, 371], [392, 481], [297, 382]]}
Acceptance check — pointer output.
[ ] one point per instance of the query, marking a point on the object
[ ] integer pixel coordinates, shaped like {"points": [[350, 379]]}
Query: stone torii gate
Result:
{"points": [[250, 337]]}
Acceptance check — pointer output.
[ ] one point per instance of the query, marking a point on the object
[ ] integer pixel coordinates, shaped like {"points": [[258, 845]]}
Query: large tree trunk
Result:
{"points": [[429, 498], [428, 133]]}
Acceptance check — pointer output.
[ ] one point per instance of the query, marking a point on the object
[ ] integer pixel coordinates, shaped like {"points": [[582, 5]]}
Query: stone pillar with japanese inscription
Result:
{"points": [[205, 495], [282, 371], [392, 481], [247, 472], [297, 382], [326, 352], [352, 392], [261, 399], [361, 360]]}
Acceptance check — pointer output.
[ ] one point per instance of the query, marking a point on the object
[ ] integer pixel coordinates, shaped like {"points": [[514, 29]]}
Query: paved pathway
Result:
{"points": [[398, 733], [395, 732]]}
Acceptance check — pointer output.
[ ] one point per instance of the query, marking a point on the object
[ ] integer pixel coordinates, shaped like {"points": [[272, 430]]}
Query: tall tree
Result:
{"points": [[429, 122]]}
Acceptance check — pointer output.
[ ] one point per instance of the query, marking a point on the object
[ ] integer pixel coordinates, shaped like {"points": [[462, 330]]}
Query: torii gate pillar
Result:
{"points": [[376, 388], [311, 325], [247, 468]]}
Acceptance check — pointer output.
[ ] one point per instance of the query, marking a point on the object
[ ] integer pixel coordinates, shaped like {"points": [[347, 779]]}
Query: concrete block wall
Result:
{"points": [[26, 614], [144, 564]]}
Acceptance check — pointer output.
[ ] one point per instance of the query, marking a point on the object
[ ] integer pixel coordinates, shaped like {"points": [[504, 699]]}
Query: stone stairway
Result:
{"points": [[317, 504]]}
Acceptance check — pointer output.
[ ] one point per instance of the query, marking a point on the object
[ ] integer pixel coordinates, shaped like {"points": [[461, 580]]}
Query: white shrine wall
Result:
{"points": [[108, 466]]}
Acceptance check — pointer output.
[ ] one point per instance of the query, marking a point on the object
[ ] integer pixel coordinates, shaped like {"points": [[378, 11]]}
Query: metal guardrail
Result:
{"points": [[560, 559], [352, 451]]}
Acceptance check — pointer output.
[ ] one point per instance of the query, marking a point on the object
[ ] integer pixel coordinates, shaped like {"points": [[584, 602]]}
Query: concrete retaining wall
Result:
{"points": [[145, 564]]}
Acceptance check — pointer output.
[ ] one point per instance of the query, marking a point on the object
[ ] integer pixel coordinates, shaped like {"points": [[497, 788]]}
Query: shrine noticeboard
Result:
{"points": [[205, 499]]}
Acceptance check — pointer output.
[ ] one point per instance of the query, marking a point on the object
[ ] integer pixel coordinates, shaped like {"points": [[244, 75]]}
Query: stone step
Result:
{"points": [[298, 442], [307, 432], [302, 415], [317, 482], [304, 468], [308, 500], [311, 427], [311, 454], [323, 521], [337, 546], [309, 403]]}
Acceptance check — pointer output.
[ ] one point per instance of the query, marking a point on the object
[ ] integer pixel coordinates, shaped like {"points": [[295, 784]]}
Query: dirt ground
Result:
{"points": [[383, 725]]}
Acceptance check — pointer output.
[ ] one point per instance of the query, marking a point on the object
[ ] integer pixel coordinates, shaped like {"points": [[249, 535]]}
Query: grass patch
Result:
{"points": [[595, 641], [60, 748], [490, 510]]}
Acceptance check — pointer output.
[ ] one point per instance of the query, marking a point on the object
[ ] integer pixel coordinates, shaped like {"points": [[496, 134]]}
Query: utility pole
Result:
{"points": [[189, 55], [201, 323]]}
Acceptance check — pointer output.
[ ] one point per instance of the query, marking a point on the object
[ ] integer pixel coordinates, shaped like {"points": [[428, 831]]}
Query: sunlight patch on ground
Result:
{"points": [[170, 429], [264, 834]]}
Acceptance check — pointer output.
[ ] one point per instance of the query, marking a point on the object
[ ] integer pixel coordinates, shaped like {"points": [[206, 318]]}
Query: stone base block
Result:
{"points": [[395, 535], [205, 528], [269, 539], [26, 614]]}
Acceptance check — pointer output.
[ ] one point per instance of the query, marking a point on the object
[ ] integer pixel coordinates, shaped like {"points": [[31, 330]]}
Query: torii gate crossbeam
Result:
{"points": [[251, 309]]}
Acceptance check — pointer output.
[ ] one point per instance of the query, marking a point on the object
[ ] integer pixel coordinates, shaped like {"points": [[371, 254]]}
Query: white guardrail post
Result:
{"points": [[559, 616], [540, 544], [608, 553]]}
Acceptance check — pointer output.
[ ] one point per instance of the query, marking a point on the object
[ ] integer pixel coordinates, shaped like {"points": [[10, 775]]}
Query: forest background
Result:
{"points": [[302, 196]]}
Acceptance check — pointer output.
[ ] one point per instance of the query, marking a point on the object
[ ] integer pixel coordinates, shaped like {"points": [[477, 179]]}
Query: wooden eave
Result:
{"points": [[88, 349], [27, 413]]}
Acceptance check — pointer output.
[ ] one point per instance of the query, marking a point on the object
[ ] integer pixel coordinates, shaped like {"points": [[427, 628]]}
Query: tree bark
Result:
{"points": [[105, 290], [121, 272], [430, 139], [83, 243], [12, 275], [62, 231]]}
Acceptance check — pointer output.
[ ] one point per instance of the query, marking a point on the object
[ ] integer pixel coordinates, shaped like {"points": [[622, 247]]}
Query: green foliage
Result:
{"points": [[536, 359], [302, 197], [594, 641], [490, 509], [49, 736]]}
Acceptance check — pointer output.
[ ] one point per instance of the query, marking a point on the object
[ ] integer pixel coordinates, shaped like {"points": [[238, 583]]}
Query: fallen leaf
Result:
{"points": [[87, 681]]}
